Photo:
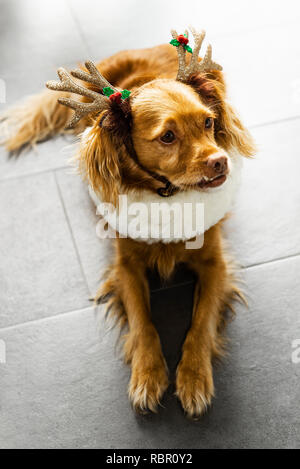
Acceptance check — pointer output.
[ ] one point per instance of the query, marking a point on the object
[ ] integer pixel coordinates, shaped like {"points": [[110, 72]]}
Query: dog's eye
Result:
{"points": [[169, 137], [209, 122]]}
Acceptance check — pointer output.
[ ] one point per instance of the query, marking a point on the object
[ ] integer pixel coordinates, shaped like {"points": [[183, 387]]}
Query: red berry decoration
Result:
{"points": [[116, 97], [182, 39]]}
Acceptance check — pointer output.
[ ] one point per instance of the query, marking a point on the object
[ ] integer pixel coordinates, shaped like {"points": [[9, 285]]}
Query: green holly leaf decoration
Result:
{"points": [[107, 91], [125, 94], [188, 49], [174, 42]]}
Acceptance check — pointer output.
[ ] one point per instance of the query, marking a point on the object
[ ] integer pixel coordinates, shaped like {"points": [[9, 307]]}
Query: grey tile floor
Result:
{"points": [[63, 384]]}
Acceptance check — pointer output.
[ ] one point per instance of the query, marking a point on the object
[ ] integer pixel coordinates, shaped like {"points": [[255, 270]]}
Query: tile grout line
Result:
{"points": [[54, 170], [46, 318], [43, 171], [34, 173], [241, 269], [71, 232], [272, 261], [278, 121], [80, 31], [93, 306]]}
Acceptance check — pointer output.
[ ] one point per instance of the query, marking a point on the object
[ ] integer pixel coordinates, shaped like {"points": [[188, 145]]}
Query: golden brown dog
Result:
{"points": [[183, 132]]}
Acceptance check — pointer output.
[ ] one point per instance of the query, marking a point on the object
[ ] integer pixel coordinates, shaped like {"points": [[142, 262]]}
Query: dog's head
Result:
{"points": [[183, 132], [179, 133]]}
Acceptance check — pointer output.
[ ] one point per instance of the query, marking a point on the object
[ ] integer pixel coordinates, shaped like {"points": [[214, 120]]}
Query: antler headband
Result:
{"points": [[99, 101], [206, 64], [108, 93]]}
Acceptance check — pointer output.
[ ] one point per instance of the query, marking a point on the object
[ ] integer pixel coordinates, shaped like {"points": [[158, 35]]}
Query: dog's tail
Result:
{"points": [[37, 118]]}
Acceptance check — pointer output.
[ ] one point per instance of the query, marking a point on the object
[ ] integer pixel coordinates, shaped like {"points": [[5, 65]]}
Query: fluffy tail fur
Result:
{"points": [[37, 118]]}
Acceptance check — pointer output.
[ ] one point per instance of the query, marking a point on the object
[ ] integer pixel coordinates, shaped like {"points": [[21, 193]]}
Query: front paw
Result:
{"points": [[194, 388], [147, 385]]}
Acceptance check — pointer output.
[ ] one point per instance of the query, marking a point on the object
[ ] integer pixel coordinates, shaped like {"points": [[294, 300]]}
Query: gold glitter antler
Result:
{"points": [[206, 64], [181, 56], [99, 101], [93, 77]]}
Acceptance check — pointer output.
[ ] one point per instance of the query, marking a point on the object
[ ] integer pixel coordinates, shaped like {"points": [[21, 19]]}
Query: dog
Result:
{"points": [[169, 136]]}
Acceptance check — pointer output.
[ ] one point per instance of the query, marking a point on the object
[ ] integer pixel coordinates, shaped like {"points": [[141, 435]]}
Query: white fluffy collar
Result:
{"points": [[132, 222]]}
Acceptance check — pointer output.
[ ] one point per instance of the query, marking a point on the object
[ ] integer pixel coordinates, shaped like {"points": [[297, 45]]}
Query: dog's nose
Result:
{"points": [[218, 163]]}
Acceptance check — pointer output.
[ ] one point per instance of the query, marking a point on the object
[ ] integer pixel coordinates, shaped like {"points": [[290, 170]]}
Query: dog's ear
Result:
{"points": [[99, 162], [101, 150], [230, 133]]}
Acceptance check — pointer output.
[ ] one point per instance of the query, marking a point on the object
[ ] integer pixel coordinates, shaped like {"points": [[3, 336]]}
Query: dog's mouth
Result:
{"points": [[206, 183]]}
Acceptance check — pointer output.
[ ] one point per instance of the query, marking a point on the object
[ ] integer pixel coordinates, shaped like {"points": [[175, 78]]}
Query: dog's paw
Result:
{"points": [[147, 386], [195, 389]]}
